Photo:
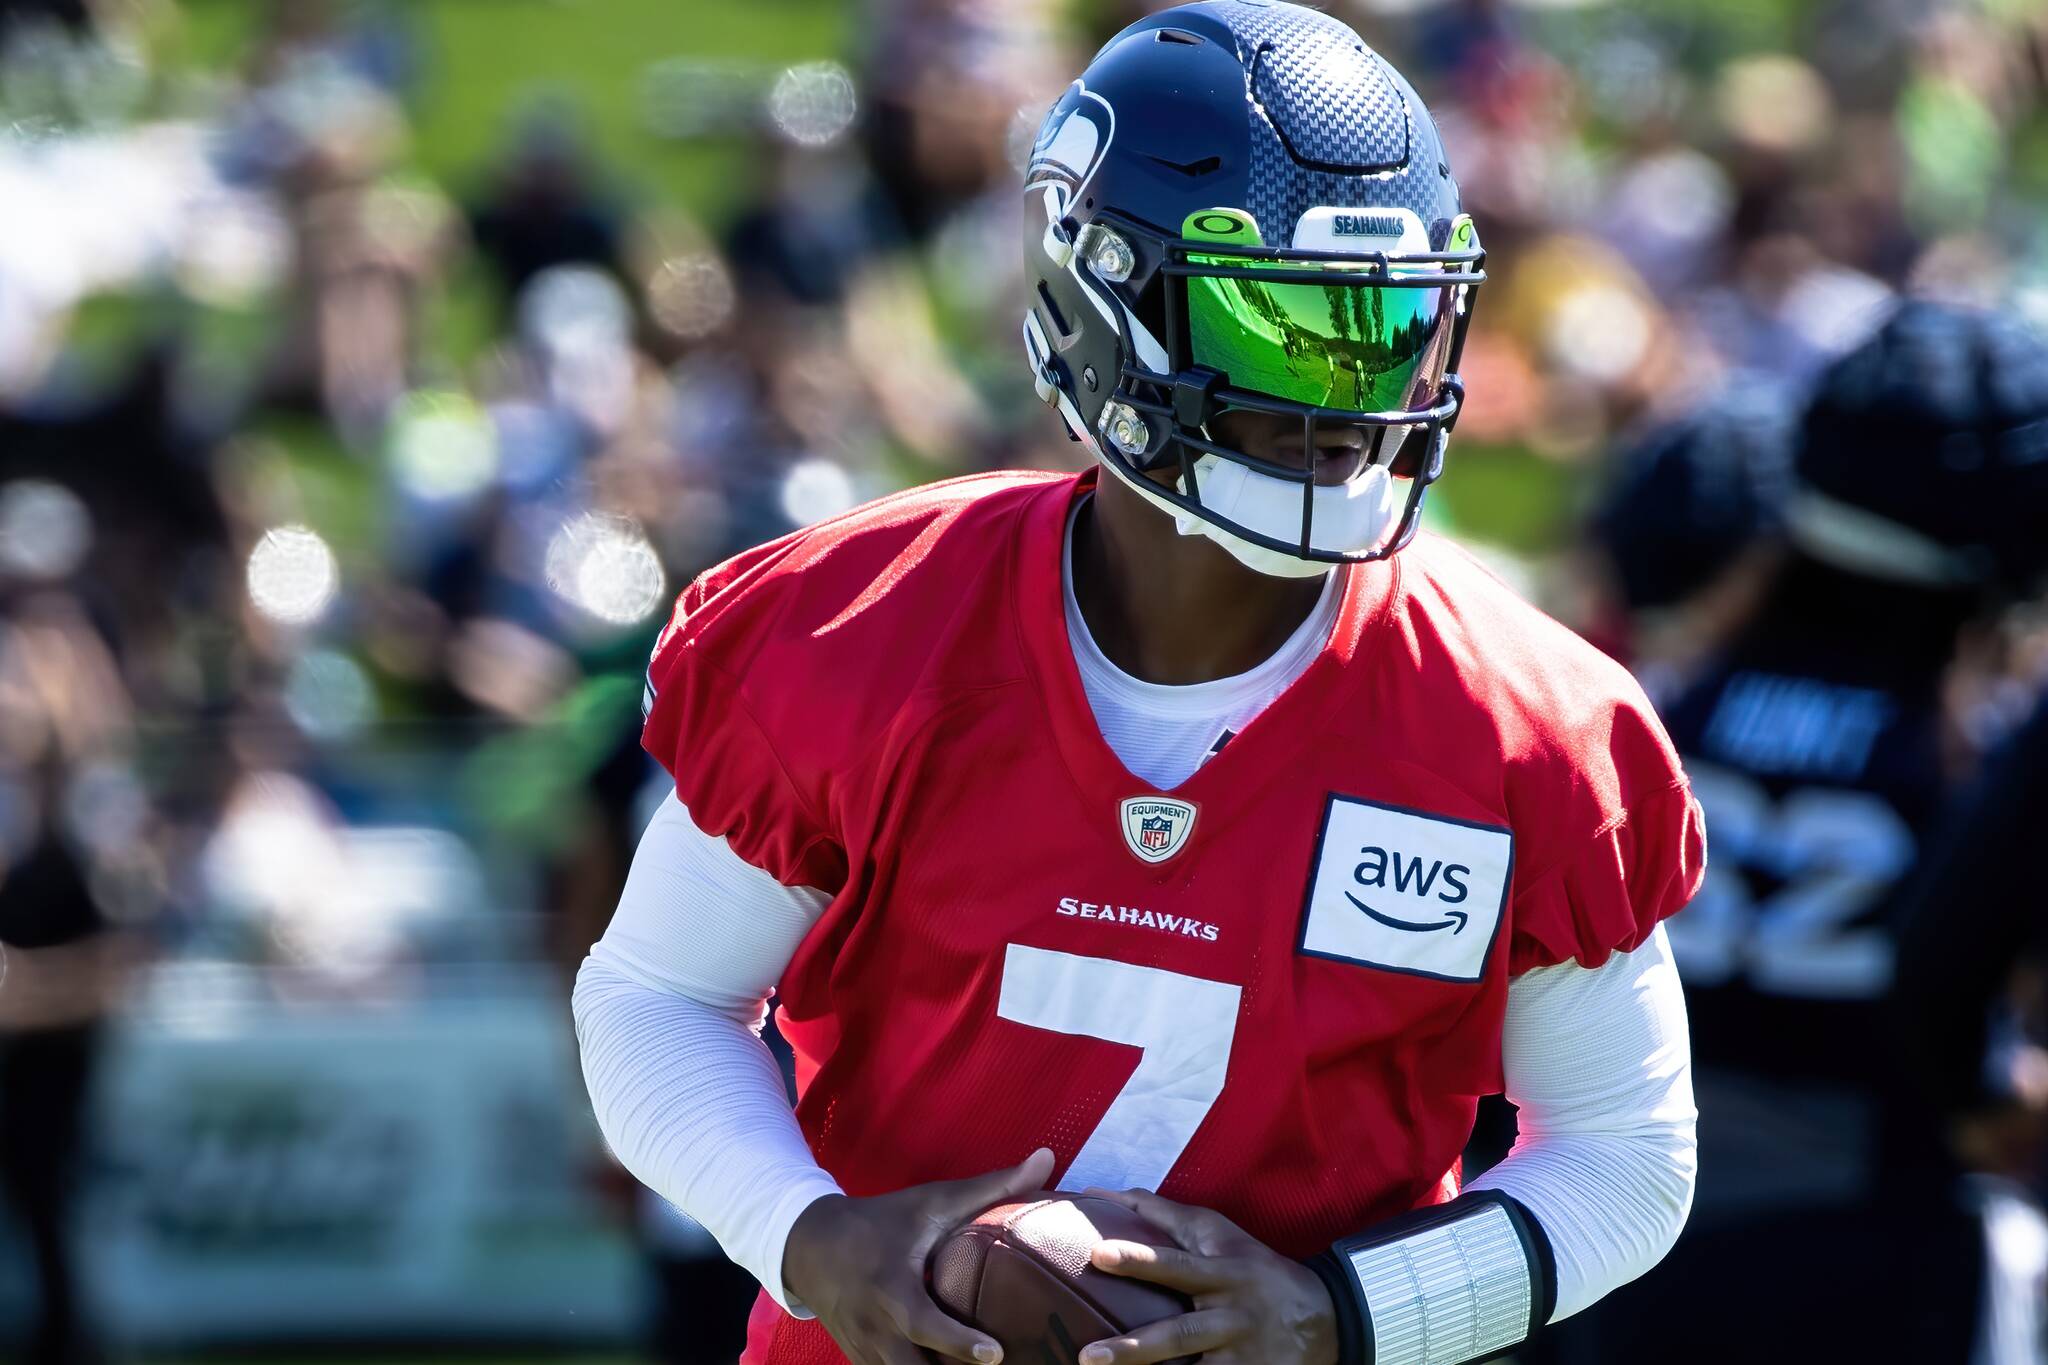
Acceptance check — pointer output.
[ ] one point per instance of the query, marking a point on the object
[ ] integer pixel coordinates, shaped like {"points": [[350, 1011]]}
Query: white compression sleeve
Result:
{"points": [[1599, 1062], [669, 1007]]}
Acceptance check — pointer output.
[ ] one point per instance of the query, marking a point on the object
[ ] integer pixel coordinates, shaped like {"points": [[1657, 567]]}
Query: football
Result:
{"points": [[1021, 1273]]}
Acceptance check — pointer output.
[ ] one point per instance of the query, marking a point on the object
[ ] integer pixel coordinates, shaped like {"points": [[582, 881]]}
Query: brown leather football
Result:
{"points": [[1020, 1272]]}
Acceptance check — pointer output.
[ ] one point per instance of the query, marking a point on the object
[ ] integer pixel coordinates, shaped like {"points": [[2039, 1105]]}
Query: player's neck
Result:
{"points": [[1176, 609]]}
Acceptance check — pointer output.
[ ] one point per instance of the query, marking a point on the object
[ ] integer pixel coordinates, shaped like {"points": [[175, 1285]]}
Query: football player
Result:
{"points": [[1816, 743], [1681, 540], [1180, 828]]}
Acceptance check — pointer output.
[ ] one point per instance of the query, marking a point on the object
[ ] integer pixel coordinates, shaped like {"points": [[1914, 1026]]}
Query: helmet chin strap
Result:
{"points": [[1360, 513]]}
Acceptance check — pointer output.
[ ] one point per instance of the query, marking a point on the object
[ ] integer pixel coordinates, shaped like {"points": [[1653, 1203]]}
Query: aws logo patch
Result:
{"points": [[1410, 877], [1406, 891]]}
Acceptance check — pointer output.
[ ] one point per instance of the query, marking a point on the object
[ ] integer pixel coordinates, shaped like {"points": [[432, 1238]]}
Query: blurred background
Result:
{"points": [[373, 375]]}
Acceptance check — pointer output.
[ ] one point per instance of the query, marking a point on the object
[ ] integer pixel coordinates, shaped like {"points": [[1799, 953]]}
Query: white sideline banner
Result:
{"points": [[407, 1169]]}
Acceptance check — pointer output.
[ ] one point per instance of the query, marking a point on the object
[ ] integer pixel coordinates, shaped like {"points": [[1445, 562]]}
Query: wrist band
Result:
{"points": [[1443, 1285]]}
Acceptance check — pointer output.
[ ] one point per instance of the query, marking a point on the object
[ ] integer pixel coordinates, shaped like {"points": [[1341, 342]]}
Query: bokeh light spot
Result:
{"points": [[691, 296], [292, 575], [606, 566], [815, 489], [44, 529], [813, 104], [1600, 332], [443, 447]]}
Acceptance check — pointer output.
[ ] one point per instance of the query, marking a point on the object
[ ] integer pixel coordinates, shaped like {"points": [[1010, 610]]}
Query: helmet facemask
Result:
{"points": [[1212, 321]]}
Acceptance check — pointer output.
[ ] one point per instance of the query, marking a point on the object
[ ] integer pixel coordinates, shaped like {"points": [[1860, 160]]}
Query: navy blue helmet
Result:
{"points": [[1690, 493], [1924, 453], [1240, 205]]}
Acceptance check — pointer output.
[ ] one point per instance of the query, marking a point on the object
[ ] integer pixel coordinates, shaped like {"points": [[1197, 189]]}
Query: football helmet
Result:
{"points": [[1241, 206], [1692, 491], [1923, 455]]}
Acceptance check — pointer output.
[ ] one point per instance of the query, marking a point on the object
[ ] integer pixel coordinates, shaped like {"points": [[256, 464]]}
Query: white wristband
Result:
{"points": [[1457, 1282], [1450, 1293]]}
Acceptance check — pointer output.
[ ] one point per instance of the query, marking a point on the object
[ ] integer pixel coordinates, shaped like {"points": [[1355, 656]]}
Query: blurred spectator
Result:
{"points": [[543, 207], [818, 223], [59, 983], [60, 959], [947, 84], [144, 498]]}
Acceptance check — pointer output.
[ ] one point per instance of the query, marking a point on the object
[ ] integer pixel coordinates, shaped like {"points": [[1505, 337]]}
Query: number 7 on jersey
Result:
{"points": [[1182, 1026]]}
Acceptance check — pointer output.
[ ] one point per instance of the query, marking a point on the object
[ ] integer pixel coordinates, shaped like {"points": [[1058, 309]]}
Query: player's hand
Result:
{"points": [[1253, 1306], [859, 1265]]}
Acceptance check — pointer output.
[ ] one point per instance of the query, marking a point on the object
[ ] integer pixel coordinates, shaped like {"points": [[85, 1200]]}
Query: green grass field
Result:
{"points": [[485, 59]]}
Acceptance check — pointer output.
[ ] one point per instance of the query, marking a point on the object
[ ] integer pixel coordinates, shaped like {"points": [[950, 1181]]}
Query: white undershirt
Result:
{"points": [[670, 1002], [1162, 733]]}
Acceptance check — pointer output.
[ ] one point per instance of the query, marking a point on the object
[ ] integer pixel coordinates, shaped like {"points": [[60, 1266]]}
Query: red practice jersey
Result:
{"points": [[1275, 991]]}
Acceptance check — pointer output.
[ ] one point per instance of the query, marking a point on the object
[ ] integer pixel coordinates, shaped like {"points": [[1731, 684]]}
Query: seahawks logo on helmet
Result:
{"points": [[1072, 141]]}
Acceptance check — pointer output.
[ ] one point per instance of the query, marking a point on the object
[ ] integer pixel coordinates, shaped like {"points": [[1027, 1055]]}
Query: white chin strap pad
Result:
{"points": [[1347, 518]]}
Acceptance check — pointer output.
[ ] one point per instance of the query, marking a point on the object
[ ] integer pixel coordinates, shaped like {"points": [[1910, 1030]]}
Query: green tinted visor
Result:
{"points": [[1374, 337]]}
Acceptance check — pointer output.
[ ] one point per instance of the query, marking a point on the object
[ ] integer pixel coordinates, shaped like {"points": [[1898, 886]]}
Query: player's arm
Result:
{"points": [[1592, 1195], [669, 1007], [1599, 1062]]}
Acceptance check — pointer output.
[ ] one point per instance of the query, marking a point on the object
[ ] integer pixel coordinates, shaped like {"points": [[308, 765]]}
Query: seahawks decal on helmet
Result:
{"points": [[1072, 140]]}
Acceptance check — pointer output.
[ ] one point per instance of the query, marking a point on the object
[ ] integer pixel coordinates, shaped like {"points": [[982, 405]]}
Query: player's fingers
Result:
{"points": [[1170, 1338], [969, 1197], [1170, 1266], [1190, 1226], [895, 1350], [930, 1328]]}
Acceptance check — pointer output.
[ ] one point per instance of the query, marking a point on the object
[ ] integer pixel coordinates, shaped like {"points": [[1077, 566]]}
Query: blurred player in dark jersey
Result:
{"points": [[1829, 1220], [1684, 537], [1677, 554], [1967, 1011], [1962, 1026]]}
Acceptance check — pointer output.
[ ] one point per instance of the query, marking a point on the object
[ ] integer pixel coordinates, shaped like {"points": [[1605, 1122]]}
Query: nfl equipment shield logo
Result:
{"points": [[1156, 827]]}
